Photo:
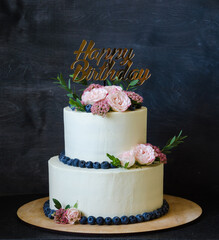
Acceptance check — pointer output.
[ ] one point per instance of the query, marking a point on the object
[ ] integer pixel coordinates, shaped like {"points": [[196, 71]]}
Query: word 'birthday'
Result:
{"points": [[82, 69]]}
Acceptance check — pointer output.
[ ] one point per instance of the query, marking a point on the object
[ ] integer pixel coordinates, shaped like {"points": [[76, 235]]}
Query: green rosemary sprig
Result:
{"points": [[60, 80], [173, 142], [77, 104]]}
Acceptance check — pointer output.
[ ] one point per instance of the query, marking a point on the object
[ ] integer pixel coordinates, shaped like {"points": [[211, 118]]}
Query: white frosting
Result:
{"points": [[89, 137], [111, 192]]}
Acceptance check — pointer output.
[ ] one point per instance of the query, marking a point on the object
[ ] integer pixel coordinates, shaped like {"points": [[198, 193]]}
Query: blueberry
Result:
{"points": [[46, 211], [139, 218], [53, 211], [100, 220], [132, 107], [72, 107], [112, 166], [124, 220], [157, 213], [153, 215], [91, 220], [69, 162], [46, 203], [75, 162], [161, 211], [62, 157], [82, 164], [108, 221], [105, 165], [65, 159], [96, 165], [62, 154], [146, 216], [83, 220], [88, 108], [116, 220], [165, 209], [165, 202], [132, 219], [50, 215], [89, 164]]}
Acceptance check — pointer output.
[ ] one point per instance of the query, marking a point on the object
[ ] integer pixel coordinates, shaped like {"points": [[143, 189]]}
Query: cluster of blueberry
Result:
{"points": [[47, 210], [147, 216], [87, 107], [83, 164], [127, 220]]}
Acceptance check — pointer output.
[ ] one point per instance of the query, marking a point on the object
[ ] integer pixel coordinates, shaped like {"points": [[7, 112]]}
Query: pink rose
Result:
{"points": [[127, 157], [118, 100], [95, 95], [144, 154], [73, 215], [112, 88]]}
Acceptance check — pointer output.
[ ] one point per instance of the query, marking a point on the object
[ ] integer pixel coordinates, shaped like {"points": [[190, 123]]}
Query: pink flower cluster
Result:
{"points": [[103, 98], [100, 108], [159, 154], [60, 216], [67, 216], [144, 154], [135, 97]]}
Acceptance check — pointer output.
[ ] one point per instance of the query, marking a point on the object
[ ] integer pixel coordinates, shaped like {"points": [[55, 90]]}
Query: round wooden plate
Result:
{"points": [[181, 211]]}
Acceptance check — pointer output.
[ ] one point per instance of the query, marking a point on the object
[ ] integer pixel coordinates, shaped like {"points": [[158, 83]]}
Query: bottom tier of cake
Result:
{"points": [[106, 192]]}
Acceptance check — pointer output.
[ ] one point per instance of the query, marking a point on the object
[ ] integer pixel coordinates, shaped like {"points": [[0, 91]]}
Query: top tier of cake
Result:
{"points": [[89, 137]]}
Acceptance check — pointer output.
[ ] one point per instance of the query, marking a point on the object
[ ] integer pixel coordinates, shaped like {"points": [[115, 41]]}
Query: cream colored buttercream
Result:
{"points": [[89, 137], [111, 192]]}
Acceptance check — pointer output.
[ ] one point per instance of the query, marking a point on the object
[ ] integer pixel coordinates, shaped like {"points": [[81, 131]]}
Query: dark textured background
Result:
{"points": [[178, 42]]}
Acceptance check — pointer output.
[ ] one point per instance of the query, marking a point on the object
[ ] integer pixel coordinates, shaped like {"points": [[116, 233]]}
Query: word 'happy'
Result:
{"points": [[84, 71]]}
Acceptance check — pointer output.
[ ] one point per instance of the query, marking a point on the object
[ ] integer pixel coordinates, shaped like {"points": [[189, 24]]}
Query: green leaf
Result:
{"points": [[126, 165], [134, 82], [115, 161], [77, 104], [108, 82], [180, 133], [70, 95], [111, 157], [57, 203], [173, 142], [121, 86], [116, 81], [75, 205], [68, 206], [69, 83], [133, 88], [62, 83]]}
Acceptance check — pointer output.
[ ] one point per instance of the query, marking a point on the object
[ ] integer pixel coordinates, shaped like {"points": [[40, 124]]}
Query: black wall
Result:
{"points": [[177, 40]]}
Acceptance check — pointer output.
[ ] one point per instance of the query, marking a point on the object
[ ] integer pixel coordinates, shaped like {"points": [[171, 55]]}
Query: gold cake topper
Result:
{"points": [[82, 69]]}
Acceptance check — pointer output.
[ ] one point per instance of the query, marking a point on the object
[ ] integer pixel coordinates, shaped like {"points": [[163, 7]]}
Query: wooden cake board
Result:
{"points": [[181, 211]]}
